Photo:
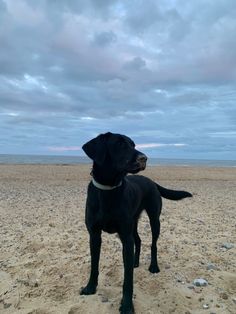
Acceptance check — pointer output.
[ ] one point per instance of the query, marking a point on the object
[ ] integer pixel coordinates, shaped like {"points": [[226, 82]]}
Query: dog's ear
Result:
{"points": [[96, 149]]}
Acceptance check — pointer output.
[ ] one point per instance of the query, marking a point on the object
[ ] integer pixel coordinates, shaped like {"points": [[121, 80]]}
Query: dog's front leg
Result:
{"points": [[95, 247], [128, 258]]}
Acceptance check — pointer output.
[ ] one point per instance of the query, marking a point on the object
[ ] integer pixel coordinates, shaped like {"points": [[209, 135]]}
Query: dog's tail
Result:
{"points": [[171, 194]]}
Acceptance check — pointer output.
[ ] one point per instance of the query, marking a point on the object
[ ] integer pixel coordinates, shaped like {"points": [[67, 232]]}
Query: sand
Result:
{"points": [[44, 252]]}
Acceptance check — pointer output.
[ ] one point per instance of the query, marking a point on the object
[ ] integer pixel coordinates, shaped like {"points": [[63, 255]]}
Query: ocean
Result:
{"points": [[74, 160]]}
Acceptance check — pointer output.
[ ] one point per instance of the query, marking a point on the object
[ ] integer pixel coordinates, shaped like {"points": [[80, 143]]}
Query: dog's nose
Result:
{"points": [[141, 158]]}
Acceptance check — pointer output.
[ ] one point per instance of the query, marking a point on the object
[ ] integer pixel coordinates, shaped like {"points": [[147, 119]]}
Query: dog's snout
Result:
{"points": [[141, 158]]}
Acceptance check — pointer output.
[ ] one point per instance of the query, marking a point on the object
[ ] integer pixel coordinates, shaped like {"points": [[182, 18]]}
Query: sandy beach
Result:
{"points": [[44, 251]]}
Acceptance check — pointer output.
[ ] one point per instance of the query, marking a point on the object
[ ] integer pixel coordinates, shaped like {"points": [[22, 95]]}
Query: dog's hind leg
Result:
{"points": [[137, 242]]}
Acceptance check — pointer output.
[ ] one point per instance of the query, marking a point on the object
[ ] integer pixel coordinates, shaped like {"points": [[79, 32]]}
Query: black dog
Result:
{"points": [[115, 202]]}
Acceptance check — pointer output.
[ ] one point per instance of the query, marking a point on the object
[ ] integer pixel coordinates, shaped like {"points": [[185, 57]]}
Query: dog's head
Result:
{"points": [[117, 150]]}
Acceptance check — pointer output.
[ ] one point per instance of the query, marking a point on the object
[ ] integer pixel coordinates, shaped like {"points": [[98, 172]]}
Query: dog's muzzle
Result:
{"points": [[141, 161], [138, 164]]}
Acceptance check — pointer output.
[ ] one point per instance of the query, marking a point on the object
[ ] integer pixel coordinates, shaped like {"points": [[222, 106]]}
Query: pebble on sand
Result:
{"points": [[211, 266], [200, 282], [227, 245], [205, 306]]}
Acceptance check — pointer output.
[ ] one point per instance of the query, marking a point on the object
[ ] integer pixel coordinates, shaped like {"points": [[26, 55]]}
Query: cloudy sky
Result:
{"points": [[162, 72]]}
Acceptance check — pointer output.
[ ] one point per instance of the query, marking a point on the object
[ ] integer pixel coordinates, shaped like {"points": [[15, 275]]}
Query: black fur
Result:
{"points": [[118, 210]]}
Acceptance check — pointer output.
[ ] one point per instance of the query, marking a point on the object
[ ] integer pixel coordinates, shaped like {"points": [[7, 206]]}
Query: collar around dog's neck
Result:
{"points": [[105, 187]]}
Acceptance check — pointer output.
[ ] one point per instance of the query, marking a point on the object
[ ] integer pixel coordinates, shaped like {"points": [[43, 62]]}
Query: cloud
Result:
{"points": [[139, 146], [226, 134], [104, 38], [156, 145], [3, 8], [161, 72], [63, 148], [136, 63]]}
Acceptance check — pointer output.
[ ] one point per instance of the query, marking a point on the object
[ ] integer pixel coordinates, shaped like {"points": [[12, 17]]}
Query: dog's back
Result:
{"points": [[148, 186]]}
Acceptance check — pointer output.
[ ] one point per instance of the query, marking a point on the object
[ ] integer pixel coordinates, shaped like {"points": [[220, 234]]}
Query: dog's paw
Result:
{"points": [[127, 312], [126, 309], [154, 269], [136, 264], [126, 306], [89, 289]]}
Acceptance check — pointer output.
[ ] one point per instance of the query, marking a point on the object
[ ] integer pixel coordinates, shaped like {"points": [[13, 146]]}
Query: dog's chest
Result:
{"points": [[109, 222], [106, 211], [109, 227]]}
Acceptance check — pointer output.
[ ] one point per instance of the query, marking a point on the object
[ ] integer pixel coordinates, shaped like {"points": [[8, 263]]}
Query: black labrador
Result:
{"points": [[115, 202]]}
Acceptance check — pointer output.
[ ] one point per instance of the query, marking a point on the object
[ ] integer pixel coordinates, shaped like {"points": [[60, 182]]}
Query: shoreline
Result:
{"points": [[77, 160], [148, 166]]}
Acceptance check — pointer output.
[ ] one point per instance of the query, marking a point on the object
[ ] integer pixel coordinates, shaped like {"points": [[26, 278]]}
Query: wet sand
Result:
{"points": [[44, 251]]}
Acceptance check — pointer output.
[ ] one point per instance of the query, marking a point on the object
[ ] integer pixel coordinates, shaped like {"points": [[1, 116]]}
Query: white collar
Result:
{"points": [[105, 187]]}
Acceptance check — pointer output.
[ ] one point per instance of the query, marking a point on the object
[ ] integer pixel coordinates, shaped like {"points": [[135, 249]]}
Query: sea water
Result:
{"points": [[73, 160]]}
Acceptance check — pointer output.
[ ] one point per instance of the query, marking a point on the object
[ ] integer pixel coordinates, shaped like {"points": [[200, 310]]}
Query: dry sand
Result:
{"points": [[44, 256]]}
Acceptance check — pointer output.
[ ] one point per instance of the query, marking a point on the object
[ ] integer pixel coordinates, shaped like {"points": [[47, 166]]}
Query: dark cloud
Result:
{"points": [[136, 63], [3, 8], [104, 38], [141, 15]]}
